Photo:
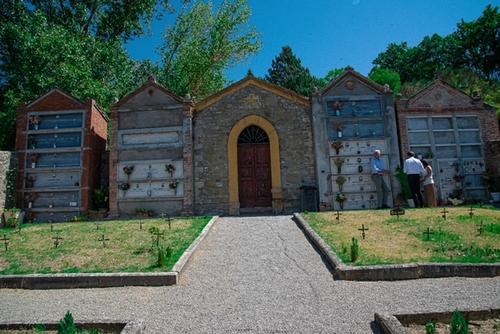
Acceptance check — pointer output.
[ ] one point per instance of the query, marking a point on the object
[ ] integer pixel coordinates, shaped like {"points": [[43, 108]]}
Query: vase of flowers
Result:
{"points": [[341, 198], [34, 120], [174, 185], [340, 182], [337, 145], [128, 170], [33, 159], [124, 187], [339, 162], [337, 105], [170, 169], [339, 127]]}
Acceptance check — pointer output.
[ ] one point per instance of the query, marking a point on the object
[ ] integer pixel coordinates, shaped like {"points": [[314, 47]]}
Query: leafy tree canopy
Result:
{"points": [[287, 71], [331, 75], [205, 42], [384, 76]]}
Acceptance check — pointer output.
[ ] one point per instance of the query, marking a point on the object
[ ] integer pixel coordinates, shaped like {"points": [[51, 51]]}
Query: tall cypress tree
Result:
{"points": [[288, 72]]}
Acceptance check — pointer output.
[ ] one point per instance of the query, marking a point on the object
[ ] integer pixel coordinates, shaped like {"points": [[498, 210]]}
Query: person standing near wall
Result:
{"points": [[414, 169], [378, 171], [428, 184]]}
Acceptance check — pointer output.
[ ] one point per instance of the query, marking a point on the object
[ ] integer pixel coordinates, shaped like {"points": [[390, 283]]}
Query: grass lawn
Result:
{"points": [[390, 241], [129, 249]]}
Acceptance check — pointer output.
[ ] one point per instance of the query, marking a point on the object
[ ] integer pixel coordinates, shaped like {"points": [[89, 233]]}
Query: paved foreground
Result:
{"points": [[255, 275]]}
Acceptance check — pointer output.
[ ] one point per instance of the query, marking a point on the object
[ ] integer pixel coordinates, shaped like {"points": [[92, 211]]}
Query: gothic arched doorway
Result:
{"points": [[254, 168]]}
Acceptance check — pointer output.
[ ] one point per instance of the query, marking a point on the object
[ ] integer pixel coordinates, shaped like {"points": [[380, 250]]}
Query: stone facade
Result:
{"points": [[59, 144], [358, 115], [151, 153], [454, 131], [276, 110]]}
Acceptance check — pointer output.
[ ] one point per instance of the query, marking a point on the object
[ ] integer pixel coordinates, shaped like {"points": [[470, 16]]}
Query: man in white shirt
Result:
{"points": [[414, 169]]}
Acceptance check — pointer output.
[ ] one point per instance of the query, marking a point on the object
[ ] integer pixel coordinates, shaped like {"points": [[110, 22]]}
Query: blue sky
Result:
{"points": [[328, 34]]}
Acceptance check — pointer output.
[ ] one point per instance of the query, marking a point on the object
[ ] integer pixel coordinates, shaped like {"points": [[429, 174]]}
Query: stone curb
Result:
{"points": [[130, 327], [105, 280], [395, 323], [392, 272], [184, 259]]}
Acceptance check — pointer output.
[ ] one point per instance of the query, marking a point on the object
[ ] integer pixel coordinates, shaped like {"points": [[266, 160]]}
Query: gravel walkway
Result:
{"points": [[255, 275]]}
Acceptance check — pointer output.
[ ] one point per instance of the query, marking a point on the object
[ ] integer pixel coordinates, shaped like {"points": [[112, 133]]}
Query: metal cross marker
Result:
{"points": [[103, 240], [167, 219], [428, 233], [481, 228], [51, 225], [5, 242], [140, 224], [97, 226], [444, 213], [471, 212], [363, 229], [397, 211], [57, 241], [158, 235], [338, 216]]}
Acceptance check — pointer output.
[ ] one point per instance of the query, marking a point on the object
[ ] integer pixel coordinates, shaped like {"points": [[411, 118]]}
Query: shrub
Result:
{"points": [[403, 180], [164, 253], [12, 217], [100, 198], [354, 250], [430, 328], [67, 325], [459, 324]]}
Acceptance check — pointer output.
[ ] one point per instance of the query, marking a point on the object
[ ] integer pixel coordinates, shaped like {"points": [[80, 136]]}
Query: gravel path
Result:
{"points": [[255, 275]]}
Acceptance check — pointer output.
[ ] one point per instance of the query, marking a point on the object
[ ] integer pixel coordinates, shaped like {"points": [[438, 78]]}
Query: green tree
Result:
{"points": [[331, 75], [384, 76], [203, 43], [396, 58], [287, 71], [480, 43]]}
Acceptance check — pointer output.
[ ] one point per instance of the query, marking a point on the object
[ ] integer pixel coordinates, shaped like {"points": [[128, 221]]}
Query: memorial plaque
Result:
{"points": [[153, 189], [447, 170], [163, 137], [151, 170], [56, 179], [360, 147], [56, 199], [54, 160], [58, 121]]}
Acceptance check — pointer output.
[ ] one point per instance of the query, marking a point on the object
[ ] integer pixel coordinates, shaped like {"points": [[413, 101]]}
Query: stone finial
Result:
{"points": [[387, 89], [152, 78], [250, 73]]}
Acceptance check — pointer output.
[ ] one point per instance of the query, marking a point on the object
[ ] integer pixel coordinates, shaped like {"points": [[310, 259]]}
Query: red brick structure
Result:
{"points": [[455, 132], [59, 142]]}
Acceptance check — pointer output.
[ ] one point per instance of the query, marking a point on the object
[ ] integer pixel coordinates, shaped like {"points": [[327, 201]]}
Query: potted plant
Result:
{"points": [[12, 217], [492, 181], [30, 198], [405, 186], [99, 203]]}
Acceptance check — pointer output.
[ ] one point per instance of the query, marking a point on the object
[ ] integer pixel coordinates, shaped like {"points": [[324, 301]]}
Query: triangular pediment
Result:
{"points": [[149, 94], [352, 83], [440, 95], [251, 81], [55, 99]]}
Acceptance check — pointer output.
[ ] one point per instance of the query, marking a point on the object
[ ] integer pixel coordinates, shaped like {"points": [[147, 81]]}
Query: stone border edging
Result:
{"points": [[395, 323], [393, 271], [129, 327], [105, 280]]}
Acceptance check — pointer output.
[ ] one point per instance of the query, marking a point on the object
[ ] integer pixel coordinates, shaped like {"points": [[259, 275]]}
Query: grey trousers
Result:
{"points": [[382, 190]]}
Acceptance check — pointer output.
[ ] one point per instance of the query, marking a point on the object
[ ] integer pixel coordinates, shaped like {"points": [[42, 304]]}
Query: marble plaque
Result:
{"points": [[56, 200], [360, 147], [169, 137], [352, 164], [56, 179], [151, 170], [152, 190]]}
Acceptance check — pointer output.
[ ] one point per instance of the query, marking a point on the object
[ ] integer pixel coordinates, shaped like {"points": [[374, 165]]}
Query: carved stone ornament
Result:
{"points": [[349, 84]]}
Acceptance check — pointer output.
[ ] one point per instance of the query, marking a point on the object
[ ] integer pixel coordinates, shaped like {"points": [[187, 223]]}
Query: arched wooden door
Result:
{"points": [[254, 168]]}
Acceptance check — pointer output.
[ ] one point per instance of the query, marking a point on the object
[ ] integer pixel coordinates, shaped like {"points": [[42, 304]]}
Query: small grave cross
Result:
{"points": [[471, 212], [167, 219], [140, 224], [57, 240], [103, 240], [444, 213], [5, 242], [51, 225], [481, 228], [338, 216], [158, 235], [97, 225], [397, 211], [428, 233], [363, 229]]}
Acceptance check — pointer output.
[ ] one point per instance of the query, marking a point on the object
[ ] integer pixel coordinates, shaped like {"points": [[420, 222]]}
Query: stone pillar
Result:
{"points": [[113, 160]]}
